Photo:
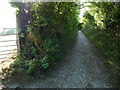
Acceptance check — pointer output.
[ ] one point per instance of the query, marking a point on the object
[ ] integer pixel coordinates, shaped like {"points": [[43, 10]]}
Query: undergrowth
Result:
{"points": [[100, 24], [108, 45], [52, 30]]}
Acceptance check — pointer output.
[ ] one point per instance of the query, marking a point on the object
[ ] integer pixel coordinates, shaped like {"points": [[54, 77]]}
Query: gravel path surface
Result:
{"points": [[83, 68]]}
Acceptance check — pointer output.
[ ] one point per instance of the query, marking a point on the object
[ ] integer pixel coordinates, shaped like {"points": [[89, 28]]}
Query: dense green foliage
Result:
{"points": [[52, 29], [101, 24]]}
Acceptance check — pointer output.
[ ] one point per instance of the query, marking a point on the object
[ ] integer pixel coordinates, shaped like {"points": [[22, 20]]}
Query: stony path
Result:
{"points": [[83, 68]]}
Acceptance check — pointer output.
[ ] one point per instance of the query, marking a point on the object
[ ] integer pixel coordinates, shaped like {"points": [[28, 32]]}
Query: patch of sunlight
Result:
{"points": [[7, 20], [83, 10], [5, 63], [7, 15], [110, 62]]}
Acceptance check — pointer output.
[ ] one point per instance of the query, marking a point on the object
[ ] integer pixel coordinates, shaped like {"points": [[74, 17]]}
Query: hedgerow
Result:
{"points": [[51, 31], [101, 24]]}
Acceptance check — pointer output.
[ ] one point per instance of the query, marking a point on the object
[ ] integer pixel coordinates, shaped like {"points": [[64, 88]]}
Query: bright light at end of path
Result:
{"points": [[7, 15]]}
